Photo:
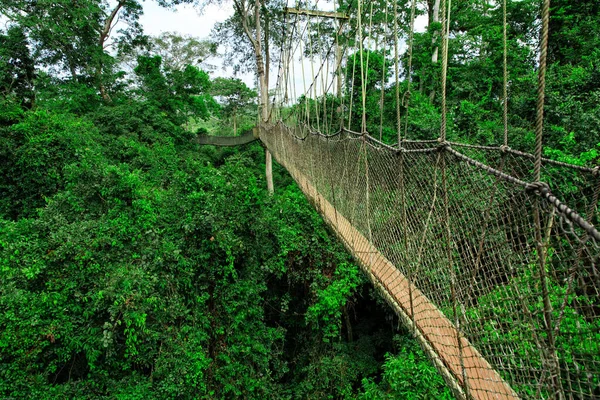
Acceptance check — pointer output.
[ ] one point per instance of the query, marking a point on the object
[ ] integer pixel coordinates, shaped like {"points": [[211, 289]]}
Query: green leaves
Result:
{"points": [[179, 51], [179, 94], [36, 152], [235, 99], [325, 315], [407, 375], [17, 72]]}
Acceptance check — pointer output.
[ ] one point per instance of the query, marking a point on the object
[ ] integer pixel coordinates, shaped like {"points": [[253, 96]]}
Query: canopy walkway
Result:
{"points": [[226, 141], [487, 254], [451, 244]]}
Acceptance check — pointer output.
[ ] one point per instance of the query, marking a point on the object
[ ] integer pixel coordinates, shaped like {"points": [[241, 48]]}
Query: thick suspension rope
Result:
{"points": [[551, 356], [456, 307]]}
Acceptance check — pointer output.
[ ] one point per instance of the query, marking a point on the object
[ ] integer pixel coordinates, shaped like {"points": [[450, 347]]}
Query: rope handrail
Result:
{"points": [[572, 215], [500, 148]]}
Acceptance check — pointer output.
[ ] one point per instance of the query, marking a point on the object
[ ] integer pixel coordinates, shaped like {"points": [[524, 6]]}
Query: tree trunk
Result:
{"points": [[104, 34], [264, 93], [338, 73], [256, 40], [430, 11], [348, 324], [73, 71], [267, 51], [260, 66], [434, 56], [435, 18], [234, 125], [338, 58], [269, 170]]}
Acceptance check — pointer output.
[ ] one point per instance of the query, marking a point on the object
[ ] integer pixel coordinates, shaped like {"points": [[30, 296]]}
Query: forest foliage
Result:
{"points": [[136, 264]]}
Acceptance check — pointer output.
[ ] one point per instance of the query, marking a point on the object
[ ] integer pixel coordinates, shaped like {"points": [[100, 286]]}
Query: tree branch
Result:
{"points": [[109, 22], [241, 9]]}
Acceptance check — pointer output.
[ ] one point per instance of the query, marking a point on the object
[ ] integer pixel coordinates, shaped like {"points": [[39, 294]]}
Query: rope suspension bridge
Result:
{"points": [[487, 254]]}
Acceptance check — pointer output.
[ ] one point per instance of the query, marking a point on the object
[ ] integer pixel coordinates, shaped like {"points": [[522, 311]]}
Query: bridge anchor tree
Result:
{"points": [[248, 15]]}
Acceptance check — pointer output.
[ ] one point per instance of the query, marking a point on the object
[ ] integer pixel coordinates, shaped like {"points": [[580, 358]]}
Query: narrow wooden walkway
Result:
{"points": [[436, 332], [226, 141]]}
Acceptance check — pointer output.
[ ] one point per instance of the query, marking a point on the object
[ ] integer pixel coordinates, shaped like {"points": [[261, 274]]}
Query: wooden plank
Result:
{"points": [[317, 13], [464, 361]]}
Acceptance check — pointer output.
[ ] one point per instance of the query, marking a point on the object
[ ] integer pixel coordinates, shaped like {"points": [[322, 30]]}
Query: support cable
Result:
{"points": [[445, 39]]}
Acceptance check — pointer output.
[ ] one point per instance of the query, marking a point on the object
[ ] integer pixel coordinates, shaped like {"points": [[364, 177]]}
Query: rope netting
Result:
{"points": [[488, 254]]}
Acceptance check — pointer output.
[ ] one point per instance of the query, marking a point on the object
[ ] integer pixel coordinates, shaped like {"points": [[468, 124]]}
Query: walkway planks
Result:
{"points": [[439, 333]]}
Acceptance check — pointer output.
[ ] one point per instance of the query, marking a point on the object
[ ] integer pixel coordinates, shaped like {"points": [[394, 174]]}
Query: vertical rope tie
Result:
{"points": [[539, 121], [445, 39], [313, 76], [397, 75], [505, 75], [383, 82], [409, 69], [352, 85], [362, 69], [339, 57]]}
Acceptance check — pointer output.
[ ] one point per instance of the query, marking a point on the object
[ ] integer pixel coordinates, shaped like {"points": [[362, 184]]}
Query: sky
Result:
{"points": [[185, 19]]}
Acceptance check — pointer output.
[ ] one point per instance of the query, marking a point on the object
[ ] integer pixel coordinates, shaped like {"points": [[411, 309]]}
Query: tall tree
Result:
{"points": [[251, 19], [574, 30], [434, 20], [178, 93], [17, 71], [234, 97], [74, 36], [177, 51]]}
